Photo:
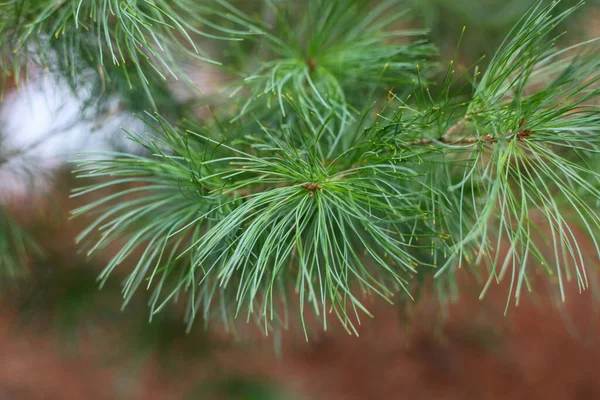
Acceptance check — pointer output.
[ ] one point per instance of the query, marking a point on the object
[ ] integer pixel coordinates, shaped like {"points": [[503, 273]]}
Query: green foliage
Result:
{"points": [[332, 56], [349, 210], [239, 387], [16, 249], [338, 169], [70, 36], [533, 106], [247, 225]]}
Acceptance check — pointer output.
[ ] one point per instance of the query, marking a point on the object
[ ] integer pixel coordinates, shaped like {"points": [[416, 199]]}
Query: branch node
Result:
{"points": [[312, 187]]}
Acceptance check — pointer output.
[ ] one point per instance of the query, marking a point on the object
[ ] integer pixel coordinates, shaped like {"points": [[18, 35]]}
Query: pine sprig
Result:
{"points": [[259, 222], [336, 53], [531, 108], [72, 35], [340, 207]]}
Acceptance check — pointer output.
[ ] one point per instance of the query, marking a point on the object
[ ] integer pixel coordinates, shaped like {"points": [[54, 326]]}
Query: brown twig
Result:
{"points": [[453, 129], [311, 65], [523, 133], [449, 140]]}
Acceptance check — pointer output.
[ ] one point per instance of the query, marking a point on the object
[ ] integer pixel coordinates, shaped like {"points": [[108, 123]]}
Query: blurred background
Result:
{"points": [[63, 338]]}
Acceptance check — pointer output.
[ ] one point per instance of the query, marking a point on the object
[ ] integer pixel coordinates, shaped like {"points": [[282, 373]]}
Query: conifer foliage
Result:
{"points": [[342, 160]]}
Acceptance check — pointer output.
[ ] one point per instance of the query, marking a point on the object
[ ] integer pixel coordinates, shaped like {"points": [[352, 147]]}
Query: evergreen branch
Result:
{"points": [[70, 35], [305, 224], [336, 53], [526, 172], [337, 206]]}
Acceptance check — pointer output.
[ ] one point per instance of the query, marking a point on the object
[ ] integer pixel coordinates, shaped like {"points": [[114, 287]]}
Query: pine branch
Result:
{"points": [[525, 172], [339, 207], [306, 215], [336, 53], [71, 36]]}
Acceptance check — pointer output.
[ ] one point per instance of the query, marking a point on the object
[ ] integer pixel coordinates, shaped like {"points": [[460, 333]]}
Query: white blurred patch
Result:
{"points": [[44, 127]]}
